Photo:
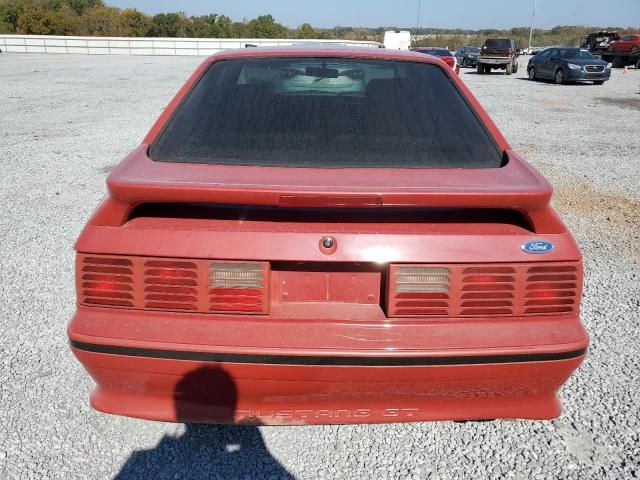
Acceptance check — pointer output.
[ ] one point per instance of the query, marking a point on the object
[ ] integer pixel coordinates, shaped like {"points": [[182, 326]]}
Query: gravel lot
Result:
{"points": [[66, 120]]}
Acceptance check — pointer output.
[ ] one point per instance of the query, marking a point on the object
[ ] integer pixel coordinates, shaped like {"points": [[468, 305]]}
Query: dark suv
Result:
{"points": [[468, 56], [498, 53]]}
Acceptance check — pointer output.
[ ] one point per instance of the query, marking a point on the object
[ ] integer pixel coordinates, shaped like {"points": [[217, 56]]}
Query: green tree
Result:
{"points": [[265, 26], [37, 21], [104, 22], [222, 28], [239, 30], [81, 6], [135, 23], [306, 31], [169, 25], [9, 13]]}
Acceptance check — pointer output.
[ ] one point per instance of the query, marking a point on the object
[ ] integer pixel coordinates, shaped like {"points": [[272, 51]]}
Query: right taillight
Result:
{"points": [[149, 283], [483, 290], [551, 289]]}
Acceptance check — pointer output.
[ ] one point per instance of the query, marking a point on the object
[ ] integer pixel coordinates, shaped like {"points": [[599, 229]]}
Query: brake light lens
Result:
{"points": [[147, 283]]}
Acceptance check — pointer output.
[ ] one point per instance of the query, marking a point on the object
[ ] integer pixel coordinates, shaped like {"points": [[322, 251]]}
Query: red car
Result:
{"points": [[319, 235], [628, 44], [442, 53]]}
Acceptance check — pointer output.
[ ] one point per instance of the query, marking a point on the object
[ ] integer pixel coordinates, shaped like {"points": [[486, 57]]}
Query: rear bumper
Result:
{"points": [[215, 382], [494, 60]]}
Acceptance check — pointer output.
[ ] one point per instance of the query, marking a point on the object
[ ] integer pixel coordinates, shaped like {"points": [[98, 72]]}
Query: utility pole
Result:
{"points": [[533, 15], [415, 41]]}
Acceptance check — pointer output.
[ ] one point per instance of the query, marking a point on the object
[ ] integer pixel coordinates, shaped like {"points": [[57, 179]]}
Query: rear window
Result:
{"points": [[495, 43], [325, 112]]}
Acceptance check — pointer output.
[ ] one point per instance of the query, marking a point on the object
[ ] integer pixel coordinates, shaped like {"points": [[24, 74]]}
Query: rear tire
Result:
{"points": [[509, 69], [480, 69], [559, 76], [515, 67], [532, 74]]}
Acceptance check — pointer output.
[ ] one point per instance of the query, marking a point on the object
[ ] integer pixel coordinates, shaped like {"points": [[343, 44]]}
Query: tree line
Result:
{"points": [[96, 18]]}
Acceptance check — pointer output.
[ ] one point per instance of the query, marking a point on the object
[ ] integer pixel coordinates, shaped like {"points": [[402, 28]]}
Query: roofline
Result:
{"points": [[322, 51]]}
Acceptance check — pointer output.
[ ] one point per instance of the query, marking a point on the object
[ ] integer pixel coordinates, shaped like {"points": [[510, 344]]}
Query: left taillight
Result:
{"points": [[170, 284], [105, 281]]}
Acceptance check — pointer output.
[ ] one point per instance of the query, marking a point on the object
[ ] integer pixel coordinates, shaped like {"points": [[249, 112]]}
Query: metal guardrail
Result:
{"points": [[146, 46]]}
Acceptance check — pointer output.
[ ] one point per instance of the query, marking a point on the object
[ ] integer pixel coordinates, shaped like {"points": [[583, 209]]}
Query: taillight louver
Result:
{"points": [[487, 290], [551, 289], [419, 290], [170, 285], [106, 281], [239, 287]]}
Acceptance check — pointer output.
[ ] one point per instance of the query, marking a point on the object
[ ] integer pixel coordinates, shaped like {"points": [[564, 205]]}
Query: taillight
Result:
{"points": [[551, 289], [238, 287], [509, 52], [105, 281], [483, 290], [420, 290], [148, 283], [170, 285]]}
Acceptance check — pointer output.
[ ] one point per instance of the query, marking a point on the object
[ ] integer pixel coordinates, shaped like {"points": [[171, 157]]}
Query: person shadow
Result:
{"points": [[206, 451]]}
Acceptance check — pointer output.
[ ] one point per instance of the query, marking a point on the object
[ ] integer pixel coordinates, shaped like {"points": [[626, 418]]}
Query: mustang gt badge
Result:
{"points": [[537, 247]]}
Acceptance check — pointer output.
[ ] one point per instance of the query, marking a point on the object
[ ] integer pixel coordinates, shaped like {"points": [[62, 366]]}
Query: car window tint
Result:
{"points": [[326, 112], [574, 53], [497, 43]]}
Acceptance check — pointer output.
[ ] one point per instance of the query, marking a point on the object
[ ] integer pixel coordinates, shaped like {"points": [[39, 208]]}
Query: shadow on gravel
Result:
{"points": [[207, 451]]}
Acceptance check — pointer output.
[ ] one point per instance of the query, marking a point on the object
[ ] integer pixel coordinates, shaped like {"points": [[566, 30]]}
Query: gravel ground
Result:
{"points": [[66, 120]]}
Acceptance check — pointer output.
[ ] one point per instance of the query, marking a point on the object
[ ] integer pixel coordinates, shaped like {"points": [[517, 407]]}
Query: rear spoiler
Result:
{"points": [[515, 186]]}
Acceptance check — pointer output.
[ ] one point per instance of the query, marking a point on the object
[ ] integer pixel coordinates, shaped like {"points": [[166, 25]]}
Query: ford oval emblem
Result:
{"points": [[537, 246]]}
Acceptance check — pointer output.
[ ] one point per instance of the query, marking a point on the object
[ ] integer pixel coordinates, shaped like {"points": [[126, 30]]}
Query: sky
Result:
{"points": [[472, 14]]}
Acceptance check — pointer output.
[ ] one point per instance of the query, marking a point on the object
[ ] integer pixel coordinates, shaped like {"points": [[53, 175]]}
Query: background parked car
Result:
{"points": [[468, 56], [498, 54], [628, 44], [443, 54], [568, 64]]}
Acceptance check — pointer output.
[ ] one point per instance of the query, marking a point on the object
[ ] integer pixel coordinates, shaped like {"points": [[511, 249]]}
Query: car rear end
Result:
{"points": [[443, 54], [350, 261], [496, 52]]}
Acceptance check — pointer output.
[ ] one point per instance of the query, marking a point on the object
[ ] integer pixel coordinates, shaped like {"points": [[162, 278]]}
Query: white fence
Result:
{"points": [[145, 46]]}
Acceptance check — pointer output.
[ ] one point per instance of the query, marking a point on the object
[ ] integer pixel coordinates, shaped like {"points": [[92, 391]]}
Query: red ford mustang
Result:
{"points": [[443, 54], [326, 236]]}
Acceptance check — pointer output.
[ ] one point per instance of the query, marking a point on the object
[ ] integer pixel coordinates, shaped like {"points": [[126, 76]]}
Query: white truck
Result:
{"points": [[397, 39]]}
